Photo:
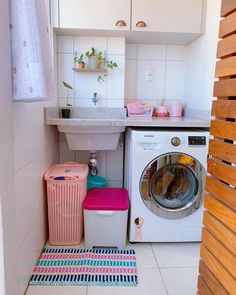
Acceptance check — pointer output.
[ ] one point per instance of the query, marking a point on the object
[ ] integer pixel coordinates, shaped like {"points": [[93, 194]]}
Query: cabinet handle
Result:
{"points": [[121, 23], [141, 24]]}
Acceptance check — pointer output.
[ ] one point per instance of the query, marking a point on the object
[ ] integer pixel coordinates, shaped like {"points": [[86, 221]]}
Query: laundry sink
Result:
{"points": [[93, 128]]}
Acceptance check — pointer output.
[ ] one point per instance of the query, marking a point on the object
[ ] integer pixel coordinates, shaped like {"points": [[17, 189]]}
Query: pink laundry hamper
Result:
{"points": [[66, 190]]}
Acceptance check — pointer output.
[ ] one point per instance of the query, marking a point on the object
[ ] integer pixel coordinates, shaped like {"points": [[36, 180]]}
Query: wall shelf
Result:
{"points": [[87, 70]]}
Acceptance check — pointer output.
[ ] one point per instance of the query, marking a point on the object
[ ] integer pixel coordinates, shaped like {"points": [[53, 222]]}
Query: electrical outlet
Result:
{"points": [[149, 75]]}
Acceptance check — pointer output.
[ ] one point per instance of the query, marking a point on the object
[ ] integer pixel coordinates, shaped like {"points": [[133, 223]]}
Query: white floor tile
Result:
{"points": [[177, 254], [150, 282], [180, 281], [144, 255], [56, 290]]}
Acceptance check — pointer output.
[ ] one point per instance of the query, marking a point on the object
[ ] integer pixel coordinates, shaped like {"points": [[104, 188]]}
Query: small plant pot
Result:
{"points": [[65, 113], [81, 65], [93, 62]]}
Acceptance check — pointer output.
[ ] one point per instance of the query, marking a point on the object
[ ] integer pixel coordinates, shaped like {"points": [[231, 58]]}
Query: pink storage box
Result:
{"points": [[105, 217], [138, 109], [66, 190]]}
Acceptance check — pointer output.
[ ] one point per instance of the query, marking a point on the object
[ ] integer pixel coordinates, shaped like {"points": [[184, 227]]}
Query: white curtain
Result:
{"points": [[32, 68]]}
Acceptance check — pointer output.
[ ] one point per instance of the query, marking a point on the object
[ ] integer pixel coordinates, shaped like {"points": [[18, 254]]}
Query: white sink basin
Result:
{"points": [[91, 137], [93, 128]]}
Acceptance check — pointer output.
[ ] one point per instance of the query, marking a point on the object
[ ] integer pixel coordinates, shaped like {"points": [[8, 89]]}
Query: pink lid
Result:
{"points": [[68, 171], [116, 199]]}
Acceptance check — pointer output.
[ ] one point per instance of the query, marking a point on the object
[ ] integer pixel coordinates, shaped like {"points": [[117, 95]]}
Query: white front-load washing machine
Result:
{"points": [[165, 174]]}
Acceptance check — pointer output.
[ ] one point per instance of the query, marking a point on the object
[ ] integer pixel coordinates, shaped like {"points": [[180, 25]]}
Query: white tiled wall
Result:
{"points": [[168, 65], [111, 92], [35, 150]]}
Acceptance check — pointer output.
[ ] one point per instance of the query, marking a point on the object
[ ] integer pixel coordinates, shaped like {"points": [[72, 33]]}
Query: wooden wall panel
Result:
{"points": [[221, 274], [225, 88], [224, 109], [221, 191], [226, 46], [217, 269], [228, 25], [203, 287], [213, 284], [222, 150], [223, 129], [222, 171], [221, 212], [227, 7], [226, 67], [218, 250], [221, 232]]}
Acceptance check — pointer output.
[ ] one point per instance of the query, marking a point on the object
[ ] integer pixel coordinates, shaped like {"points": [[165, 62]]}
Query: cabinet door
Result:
{"points": [[180, 16], [95, 14]]}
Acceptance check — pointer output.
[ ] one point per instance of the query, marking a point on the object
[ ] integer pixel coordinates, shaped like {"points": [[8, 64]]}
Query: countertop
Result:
{"points": [[52, 118]]}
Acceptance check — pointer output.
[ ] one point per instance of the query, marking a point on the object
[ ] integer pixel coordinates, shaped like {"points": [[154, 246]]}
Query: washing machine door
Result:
{"points": [[171, 186]]}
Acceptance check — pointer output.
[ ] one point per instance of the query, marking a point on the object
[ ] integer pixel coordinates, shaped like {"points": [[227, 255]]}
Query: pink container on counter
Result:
{"points": [[161, 111], [175, 109], [66, 190]]}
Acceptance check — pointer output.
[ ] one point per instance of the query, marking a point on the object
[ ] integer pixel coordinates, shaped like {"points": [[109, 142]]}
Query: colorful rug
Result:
{"points": [[95, 267]]}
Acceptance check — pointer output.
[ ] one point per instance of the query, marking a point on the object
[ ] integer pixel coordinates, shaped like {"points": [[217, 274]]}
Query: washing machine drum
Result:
{"points": [[171, 186]]}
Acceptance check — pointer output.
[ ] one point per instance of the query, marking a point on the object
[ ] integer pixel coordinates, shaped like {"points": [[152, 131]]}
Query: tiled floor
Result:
{"points": [[163, 269]]}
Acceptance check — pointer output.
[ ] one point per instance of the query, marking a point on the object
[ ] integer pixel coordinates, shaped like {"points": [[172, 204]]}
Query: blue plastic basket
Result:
{"points": [[96, 182]]}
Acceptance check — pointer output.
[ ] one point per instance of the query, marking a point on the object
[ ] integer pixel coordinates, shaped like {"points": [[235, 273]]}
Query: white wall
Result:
{"points": [[35, 150], [201, 59], [168, 65], [6, 157], [111, 92]]}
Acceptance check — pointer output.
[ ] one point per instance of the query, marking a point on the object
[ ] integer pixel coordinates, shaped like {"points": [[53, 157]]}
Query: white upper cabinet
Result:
{"points": [[170, 16], [95, 14]]}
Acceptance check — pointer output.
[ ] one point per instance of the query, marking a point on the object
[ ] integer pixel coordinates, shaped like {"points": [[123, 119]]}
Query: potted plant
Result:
{"points": [[81, 62], [65, 112], [92, 58], [103, 62]]}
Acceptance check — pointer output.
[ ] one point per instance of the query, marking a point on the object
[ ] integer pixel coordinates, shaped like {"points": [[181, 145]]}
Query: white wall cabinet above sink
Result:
{"points": [[183, 16], [131, 16], [95, 14]]}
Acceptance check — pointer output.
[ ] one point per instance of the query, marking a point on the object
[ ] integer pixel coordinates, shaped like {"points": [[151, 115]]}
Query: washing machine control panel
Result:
{"points": [[197, 140]]}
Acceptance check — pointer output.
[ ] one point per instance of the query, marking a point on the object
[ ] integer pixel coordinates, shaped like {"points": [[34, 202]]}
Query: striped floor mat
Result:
{"points": [[95, 267]]}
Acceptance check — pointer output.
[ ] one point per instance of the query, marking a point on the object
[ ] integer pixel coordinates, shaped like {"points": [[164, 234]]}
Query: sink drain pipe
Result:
{"points": [[93, 170]]}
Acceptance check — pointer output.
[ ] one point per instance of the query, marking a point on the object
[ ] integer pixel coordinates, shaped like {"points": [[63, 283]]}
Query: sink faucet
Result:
{"points": [[95, 99]]}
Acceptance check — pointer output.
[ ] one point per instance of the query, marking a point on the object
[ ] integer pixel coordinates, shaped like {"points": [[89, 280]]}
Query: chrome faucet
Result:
{"points": [[95, 99]]}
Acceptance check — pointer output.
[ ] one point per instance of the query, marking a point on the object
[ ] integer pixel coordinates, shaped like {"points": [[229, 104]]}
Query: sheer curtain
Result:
{"points": [[32, 68]]}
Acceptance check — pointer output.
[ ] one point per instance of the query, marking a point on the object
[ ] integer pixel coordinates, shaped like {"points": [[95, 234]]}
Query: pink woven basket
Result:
{"points": [[66, 190]]}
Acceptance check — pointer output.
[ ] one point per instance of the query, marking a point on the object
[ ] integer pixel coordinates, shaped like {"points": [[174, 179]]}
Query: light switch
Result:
{"points": [[149, 75]]}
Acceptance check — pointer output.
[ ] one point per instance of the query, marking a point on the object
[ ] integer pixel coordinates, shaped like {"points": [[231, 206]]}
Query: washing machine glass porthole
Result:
{"points": [[171, 186]]}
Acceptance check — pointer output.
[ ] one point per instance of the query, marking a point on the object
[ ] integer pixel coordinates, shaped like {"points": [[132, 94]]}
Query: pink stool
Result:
{"points": [[105, 217]]}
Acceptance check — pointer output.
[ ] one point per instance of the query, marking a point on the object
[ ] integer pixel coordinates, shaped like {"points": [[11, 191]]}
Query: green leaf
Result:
{"points": [[67, 85]]}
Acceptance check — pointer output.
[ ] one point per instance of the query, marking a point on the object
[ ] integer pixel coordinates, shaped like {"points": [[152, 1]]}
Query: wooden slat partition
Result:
{"points": [[225, 88], [217, 270]]}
